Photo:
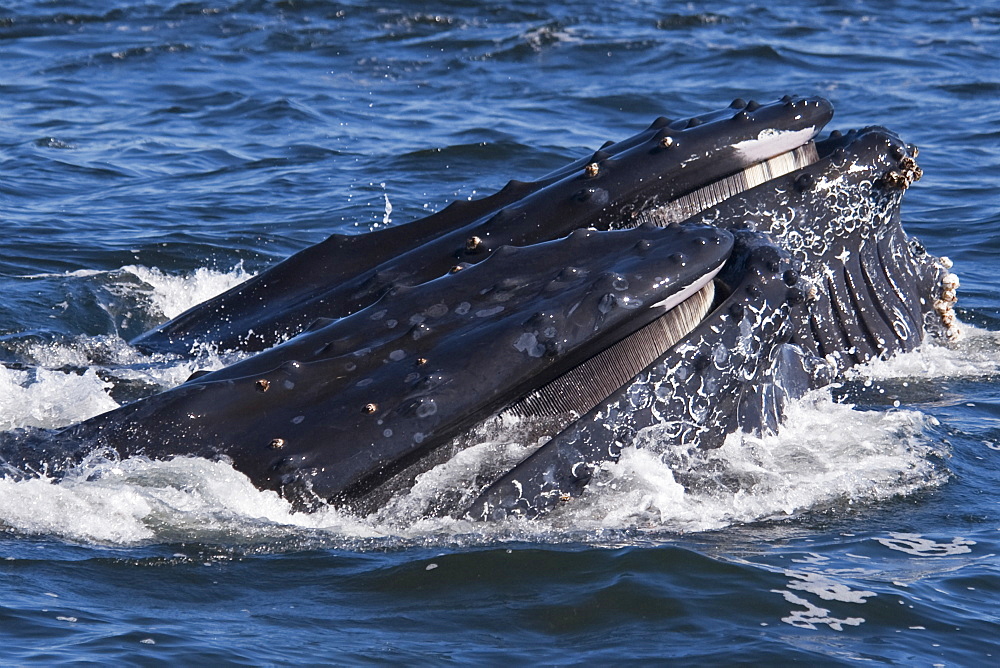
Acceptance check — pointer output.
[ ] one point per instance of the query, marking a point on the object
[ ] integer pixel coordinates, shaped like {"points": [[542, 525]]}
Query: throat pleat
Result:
{"points": [[587, 385]]}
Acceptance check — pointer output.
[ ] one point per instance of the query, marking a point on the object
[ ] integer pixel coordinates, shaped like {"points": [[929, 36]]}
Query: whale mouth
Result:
{"points": [[717, 192], [587, 385]]}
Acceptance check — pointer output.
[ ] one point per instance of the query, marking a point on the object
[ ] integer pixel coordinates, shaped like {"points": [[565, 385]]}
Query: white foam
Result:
{"points": [[51, 396], [138, 500], [172, 294], [826, 588], [823, 586], [806, 467], [46, 398], [83, 351], [975, 355], [917, 545], [826, 455], [166, 295], [812, 615]]}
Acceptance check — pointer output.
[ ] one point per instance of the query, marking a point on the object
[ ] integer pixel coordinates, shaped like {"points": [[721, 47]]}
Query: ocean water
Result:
{"points": [[154, 154]]}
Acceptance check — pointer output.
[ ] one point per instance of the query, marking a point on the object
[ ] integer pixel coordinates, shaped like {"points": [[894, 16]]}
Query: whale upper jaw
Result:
{"points": [[666, 173]]}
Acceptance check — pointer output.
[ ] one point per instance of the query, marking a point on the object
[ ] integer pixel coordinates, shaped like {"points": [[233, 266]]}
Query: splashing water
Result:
{"points": [[69, 380], [883, 454], [139, 500], [827, 454], [171, 295], [44, 398], [975, 355]]}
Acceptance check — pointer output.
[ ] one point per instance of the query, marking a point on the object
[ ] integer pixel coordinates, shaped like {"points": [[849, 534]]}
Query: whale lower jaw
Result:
{"points": [[822, 278]]}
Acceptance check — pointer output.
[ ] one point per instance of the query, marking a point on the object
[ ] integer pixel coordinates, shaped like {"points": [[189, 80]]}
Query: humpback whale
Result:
{"points": [[697, 276]]}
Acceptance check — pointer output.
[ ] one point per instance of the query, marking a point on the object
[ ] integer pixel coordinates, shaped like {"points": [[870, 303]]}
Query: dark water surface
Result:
{"points": [[151, 155]]}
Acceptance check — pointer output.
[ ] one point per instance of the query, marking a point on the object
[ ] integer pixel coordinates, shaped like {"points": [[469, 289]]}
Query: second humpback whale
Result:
{"points": [[696, 276]]}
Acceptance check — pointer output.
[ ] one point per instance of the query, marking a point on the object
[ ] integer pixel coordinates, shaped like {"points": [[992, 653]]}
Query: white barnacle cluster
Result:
{"points": [[944, 305]]}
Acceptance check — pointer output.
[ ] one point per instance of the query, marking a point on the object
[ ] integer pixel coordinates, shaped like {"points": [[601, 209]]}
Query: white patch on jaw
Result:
{"points": [[676, 298], [771, 142]]}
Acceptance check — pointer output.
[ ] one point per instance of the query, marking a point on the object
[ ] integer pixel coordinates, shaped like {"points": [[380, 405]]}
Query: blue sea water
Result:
{"points": [[153, 154]]}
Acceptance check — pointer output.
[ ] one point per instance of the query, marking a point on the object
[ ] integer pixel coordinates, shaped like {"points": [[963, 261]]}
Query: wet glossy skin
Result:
{"points": [[605, 190]]}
